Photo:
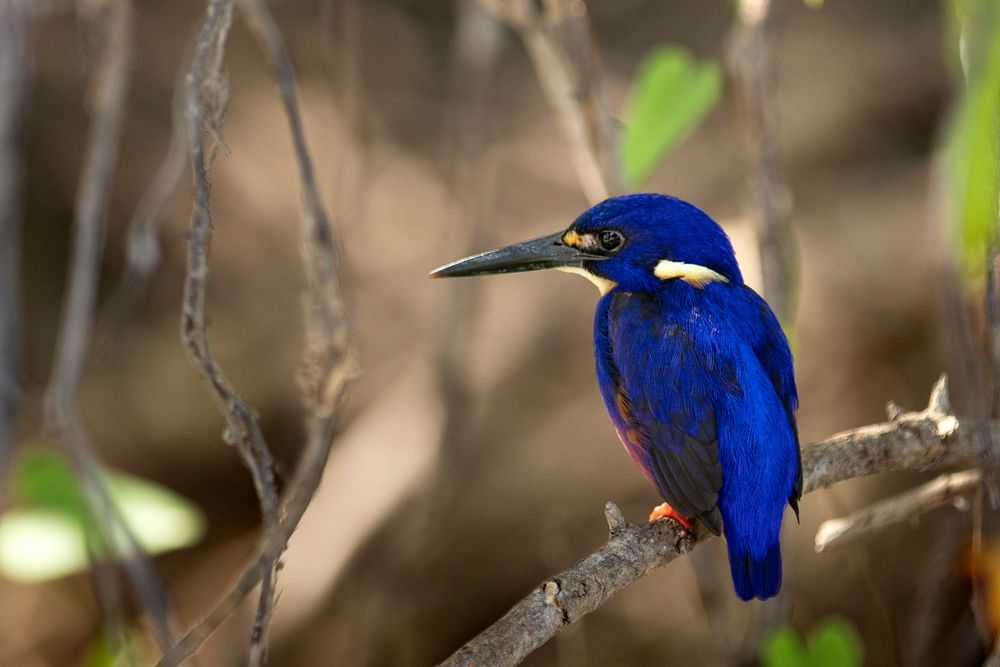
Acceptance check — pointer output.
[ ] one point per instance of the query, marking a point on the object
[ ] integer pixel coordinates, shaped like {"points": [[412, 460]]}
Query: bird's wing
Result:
{"points": [[664, 384], [771, 349]]}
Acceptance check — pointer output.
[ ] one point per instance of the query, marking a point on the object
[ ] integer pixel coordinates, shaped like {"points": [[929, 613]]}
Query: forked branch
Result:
{"points": [[914, 441]]}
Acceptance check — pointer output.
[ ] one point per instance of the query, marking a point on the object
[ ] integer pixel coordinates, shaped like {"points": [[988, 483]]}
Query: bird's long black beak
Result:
{"points": [[546, 252]]}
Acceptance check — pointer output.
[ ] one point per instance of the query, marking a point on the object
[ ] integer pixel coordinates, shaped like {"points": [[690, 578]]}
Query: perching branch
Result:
{"points": [[110, 82], [752, 67], [558, 37], [930, 439], [328, 364], [948, 489]]}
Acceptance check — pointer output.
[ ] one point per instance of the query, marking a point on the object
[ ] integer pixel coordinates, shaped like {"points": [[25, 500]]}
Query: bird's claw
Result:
{"points": [[665, 511]]}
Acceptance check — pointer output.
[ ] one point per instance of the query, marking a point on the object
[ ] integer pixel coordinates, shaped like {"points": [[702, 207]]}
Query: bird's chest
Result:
{"points": [[642, 331], [661, 349]]}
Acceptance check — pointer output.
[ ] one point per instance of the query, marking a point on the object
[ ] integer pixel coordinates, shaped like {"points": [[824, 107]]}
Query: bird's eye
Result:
{"points": [[610, 240]]}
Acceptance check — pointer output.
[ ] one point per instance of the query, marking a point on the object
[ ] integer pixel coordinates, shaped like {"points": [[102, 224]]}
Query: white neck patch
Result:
{"points": [[695, 275], [603, 284]]}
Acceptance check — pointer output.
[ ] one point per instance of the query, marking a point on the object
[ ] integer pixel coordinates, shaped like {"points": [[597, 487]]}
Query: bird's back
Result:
{"points": [[698, 384]]}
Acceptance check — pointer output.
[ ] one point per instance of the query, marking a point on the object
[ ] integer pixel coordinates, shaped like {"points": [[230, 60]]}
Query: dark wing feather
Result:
{"points": [[771, 349], [663, 394]]}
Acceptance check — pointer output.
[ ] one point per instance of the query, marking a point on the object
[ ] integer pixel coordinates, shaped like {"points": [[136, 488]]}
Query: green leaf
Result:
{"points": [[100, 653], [814, 4], [40, 544], [41, 478], [973, 138], [125, 651], [49, 531], [784, 648], [670, 96], [834, 643], [160, 519]]}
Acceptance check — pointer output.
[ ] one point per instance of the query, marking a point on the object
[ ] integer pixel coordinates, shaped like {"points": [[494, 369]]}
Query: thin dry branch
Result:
{"points": [[328, 364], [993, 319], [558, 38], [752, 67], [110, 82], [142, 249], [242, 429], [948, 489], [12, 83], [914, 441]]}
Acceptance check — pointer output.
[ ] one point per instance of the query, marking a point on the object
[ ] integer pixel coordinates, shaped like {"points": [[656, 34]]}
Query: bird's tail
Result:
{"points": [[755, 576]]}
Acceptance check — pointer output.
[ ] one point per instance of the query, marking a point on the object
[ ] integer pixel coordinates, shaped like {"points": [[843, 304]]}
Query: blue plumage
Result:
{"points": [[693, 367]]}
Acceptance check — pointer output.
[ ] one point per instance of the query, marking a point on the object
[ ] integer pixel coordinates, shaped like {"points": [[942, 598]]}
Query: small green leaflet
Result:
{"points": [[48, 532], [670, 96], [973, 138], [834, 643]]}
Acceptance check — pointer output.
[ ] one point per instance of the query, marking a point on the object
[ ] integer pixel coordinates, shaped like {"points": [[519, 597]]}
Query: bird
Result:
{"points": [[693, 366]]}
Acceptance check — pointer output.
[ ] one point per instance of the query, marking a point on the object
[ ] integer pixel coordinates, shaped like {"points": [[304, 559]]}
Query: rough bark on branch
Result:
{"points": [[914, 441]]}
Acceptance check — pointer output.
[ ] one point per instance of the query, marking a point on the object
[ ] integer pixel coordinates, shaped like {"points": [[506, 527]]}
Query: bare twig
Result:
{"points": [[558, 38], [949, 489], [993, 319], [328, 364], [12, 83], [142, 246], [753, 75], [931, 438], [111, 85], [327, 360], [242, 429]]}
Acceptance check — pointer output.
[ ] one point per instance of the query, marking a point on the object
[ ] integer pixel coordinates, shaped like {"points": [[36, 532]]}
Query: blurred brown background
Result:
{"points": [[475, 456]]}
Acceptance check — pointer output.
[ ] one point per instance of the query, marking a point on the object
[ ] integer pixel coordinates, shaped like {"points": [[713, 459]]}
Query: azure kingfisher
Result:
{"points": [[694, 369]]}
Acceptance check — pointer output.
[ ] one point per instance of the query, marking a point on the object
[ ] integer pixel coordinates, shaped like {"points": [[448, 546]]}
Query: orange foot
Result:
{"points": [[664, 510]]}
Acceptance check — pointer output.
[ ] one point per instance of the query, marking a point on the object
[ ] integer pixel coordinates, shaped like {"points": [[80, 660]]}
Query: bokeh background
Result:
{"points": [[474, 456]]}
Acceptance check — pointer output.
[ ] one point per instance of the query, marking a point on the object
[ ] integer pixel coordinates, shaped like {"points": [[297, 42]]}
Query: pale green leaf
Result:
{"points": [[47, 531], [834, 643], [973, 138], [40, 544], [784, 648], [670, 96], [160, 519]]}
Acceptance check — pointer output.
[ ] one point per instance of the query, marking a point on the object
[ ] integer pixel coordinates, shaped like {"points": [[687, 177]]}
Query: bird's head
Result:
{"points": [[634, 241]]}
